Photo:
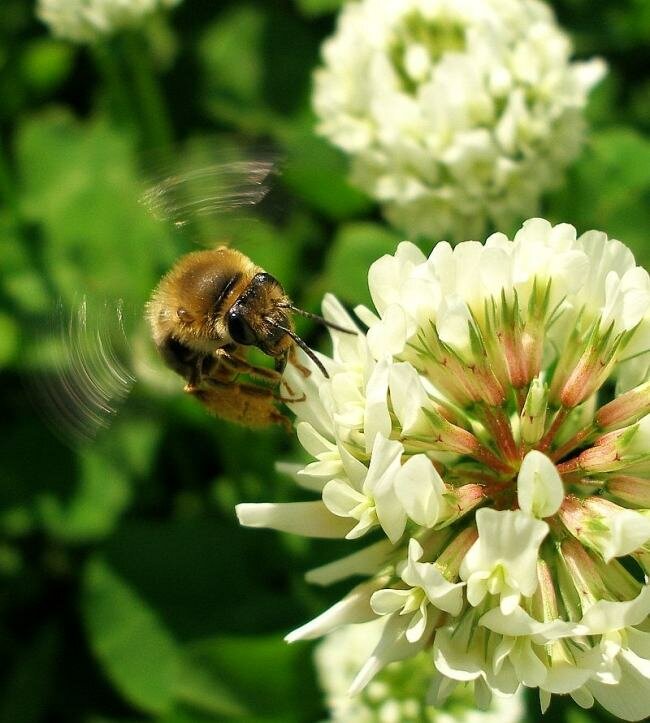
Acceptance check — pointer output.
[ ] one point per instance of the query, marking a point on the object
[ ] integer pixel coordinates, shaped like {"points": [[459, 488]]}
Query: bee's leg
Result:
{"points": [[229, 366], [280, 366], [246, 404], [290, 400], [293, 359], [195, 373], [239, 365]]}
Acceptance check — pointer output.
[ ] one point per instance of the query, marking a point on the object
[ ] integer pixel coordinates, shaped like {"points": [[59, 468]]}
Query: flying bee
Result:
{"points": [[207, 312]]}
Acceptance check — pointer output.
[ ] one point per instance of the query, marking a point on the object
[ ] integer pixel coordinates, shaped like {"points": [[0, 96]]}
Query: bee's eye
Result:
{"points": [[239, 330]]}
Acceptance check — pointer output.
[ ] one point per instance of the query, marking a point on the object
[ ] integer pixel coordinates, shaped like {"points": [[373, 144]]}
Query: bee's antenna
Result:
{"points": [[318, 318], [303, 346]]}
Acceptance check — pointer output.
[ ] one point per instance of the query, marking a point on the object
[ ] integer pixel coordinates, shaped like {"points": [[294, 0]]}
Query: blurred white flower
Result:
{"points": [[399, 694], [85, 21], [458, 114], [477, 430]]}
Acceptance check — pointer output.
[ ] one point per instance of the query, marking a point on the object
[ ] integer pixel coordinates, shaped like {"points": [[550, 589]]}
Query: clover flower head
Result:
{"points": [[86, 21], [457, 114], [490, 435]]}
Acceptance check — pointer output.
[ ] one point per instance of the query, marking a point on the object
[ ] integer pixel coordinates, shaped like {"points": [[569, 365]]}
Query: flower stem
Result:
{"points": [[8, 194], [155, 124], [558, 421], [482, 454], [119, 101], [499, 425]]}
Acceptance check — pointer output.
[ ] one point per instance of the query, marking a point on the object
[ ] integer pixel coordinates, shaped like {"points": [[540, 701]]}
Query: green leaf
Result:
{"points": [[250, 80], [46, 63], [26, 690], [317, 173], [21, 281], [81, 187], [94, 507], [203, 576], [354, 248], [130, 641], [8, 339], [134, 442], [231, 53], [314, 8], [29, 478], [578, 716], [274, 678], [609, 189], [199, 688]]}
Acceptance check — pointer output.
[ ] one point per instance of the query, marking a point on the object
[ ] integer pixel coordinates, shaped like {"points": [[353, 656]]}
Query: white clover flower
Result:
{"points": [[477, 433], [503, 560], [85, 21], [457, 114], [426, 586], [399, 694]]}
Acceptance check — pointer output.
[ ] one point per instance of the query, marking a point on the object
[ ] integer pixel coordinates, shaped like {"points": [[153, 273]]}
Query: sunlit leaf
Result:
{"points": [[199, 688], [46, 63], [317, 173], [129, 639], [319, 7], [609, 189], [93, 507], [355, 247], [271, 676], [81, 187]]}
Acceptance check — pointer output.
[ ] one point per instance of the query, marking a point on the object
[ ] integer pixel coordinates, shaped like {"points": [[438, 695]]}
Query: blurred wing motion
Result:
{"points": [[86, 371], [209, 190], [208, 187]]}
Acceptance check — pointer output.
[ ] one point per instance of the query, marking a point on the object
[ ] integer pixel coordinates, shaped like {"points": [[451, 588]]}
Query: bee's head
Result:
{"points": [[260, 317]]}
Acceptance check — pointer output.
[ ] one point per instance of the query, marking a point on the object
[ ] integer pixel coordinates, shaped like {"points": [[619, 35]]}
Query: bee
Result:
{"points": [[205, 315]]}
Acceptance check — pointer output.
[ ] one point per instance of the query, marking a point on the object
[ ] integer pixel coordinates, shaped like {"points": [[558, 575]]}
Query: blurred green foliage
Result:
{"points": [[128, 590]]}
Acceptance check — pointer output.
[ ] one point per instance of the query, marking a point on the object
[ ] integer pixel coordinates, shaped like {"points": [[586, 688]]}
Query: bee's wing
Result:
{"points": [[209, 189], [84, 370]]}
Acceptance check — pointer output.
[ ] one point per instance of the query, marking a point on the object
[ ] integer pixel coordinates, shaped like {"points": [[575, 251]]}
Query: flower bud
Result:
{"points": [[582, 570], [604, 526], [626, 409], [613, 451], [630, 489], [450, 560], [546, 594], [533, 416], [634, 443], [451, 438], [593, 368]]}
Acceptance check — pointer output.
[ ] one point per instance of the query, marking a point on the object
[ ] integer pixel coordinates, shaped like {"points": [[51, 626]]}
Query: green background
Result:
{"points": [[128, 592]]}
